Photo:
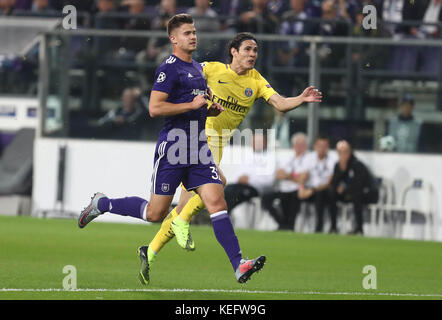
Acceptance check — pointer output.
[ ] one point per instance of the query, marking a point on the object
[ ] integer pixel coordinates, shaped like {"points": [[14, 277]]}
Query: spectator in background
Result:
{"points": [[430, 56], [41, 7], [288, 176], [126, 121], [294, 22], [317, 180], [159, 48], [205, 20], [368, 55], [256, 17], [135, 8], [396, 11], [332, 55], [101, 21], [277, 7], [348, 9], [353, 183], [106, 47], [313, 8], [6, 7], [130, 46], [80, 5], [402, 58], [164, 11], [255, 177], [405, 129], [292, 53], [228, 10]]}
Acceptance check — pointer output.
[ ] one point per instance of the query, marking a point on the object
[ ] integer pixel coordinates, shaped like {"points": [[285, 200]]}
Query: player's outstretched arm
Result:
{"points": [[158, 106], [310, 94]]}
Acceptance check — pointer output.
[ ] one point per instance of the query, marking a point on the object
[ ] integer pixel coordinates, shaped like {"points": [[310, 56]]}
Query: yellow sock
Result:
{"points": [[192, 207], [165, 234]]}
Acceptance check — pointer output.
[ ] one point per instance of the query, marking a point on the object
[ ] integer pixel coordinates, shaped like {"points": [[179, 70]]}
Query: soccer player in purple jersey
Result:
{"points": [[179, 94]]}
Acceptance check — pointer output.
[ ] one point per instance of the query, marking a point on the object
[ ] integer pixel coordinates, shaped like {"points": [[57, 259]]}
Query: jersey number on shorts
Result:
{"points": [[215, 173]]}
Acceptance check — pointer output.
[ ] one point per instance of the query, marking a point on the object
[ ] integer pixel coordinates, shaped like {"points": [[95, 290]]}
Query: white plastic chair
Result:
{"points": [[247, 214], [386, 198], [424, 210], [306, 218]]}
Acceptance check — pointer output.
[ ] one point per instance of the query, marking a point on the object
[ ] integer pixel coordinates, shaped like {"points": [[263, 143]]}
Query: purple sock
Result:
{"points": [[224, 233], [128, 206]]}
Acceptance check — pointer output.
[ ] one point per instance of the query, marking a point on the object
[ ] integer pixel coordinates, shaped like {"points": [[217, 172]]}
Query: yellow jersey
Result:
{"points": [[236, 94]]}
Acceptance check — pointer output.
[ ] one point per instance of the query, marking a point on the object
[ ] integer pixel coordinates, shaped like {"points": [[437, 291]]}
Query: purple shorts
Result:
{"points": [[167, 177]]}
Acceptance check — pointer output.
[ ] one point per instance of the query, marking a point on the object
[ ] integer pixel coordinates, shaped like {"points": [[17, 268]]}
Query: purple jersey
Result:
{"points": [[182, 81], [182, 133]]}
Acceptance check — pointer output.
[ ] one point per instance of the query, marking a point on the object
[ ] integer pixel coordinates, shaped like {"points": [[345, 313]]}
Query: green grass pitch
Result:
{"points": [[33, 253]]}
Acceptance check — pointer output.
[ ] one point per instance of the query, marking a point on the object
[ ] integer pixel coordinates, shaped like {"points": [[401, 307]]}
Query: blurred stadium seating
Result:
{"points": [[77, 76]]}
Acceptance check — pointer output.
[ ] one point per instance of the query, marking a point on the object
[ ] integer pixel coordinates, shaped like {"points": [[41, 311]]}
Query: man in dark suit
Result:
{"points": [[353, 183]]}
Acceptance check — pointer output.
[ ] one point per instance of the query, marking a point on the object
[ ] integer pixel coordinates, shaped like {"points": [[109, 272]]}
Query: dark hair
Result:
{"points": [[322, 137], [408, 98], [238, 40], [177, 21]]}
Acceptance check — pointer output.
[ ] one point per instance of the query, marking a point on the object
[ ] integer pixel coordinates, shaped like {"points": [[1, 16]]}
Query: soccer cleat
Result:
{"points": [[91, 211], [143, 275], [247, 267], [181, 229]]}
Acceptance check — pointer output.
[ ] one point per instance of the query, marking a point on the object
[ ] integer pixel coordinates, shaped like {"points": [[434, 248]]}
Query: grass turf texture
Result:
{"points": [[305, 266]]}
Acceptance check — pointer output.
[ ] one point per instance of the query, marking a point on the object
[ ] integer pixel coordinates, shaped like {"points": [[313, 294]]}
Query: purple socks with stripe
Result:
{"points": [[224, 233], [128, 206]]}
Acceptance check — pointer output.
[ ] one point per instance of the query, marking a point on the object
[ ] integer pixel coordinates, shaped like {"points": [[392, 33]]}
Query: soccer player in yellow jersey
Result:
{"points": [[235, 86]]}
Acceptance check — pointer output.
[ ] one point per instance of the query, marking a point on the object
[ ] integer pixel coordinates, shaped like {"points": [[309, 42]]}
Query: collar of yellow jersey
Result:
{"points": [[238, 75]]}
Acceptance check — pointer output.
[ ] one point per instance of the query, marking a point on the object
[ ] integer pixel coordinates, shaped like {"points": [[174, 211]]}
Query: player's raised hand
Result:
{"points": [[214, 110], [198, 102], [311, 94]]}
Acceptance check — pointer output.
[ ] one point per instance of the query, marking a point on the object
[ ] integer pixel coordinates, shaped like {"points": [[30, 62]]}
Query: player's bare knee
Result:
{"points": [[153, 215], [217, 204]]}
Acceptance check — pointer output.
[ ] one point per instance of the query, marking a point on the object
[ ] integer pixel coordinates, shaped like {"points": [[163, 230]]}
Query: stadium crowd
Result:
{"points": [[134, 59], [256, 16], [319, 178], [399, 19]]}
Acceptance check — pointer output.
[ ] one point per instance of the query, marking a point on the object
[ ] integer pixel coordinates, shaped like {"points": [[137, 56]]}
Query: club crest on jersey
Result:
{"points": [[248, 92], [161, 77], [165, 187]]}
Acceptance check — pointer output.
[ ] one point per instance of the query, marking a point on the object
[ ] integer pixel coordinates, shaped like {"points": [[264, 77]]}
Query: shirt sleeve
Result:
{"points": [[165, 78], [308, 164], [265, 89]]}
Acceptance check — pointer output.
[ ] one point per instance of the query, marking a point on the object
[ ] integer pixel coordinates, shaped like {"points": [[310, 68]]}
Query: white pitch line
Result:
{"points": [[229, 291]]}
